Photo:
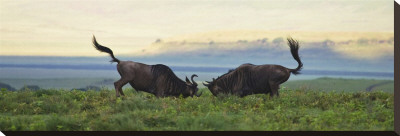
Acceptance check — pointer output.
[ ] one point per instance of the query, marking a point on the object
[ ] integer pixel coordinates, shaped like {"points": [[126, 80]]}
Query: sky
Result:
{"points": [[65, 27]]}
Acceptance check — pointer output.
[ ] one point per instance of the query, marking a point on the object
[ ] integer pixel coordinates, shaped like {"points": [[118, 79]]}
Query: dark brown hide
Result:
{"points": [[255, 79], [156, 79]]}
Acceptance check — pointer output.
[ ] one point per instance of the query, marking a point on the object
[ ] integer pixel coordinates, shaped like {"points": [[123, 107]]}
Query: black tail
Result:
{"points": [[294, 49], [104, 49]]}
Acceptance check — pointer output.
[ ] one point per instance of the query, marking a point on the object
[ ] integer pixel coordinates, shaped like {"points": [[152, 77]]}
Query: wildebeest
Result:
{"points": [[255, 79], [156, 79]]}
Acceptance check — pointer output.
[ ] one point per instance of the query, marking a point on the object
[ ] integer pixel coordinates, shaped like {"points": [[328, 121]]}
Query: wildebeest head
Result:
{"points": [[213, 87], [192, 86]]}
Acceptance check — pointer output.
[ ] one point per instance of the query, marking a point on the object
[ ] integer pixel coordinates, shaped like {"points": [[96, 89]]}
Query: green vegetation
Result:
{"points": [[340, 84], [320, 84], [101, 110]]}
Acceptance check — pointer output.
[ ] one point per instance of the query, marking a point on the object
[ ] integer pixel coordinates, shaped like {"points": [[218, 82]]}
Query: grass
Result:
{"points": [[320, 84], [340, 84], [293, 110]]}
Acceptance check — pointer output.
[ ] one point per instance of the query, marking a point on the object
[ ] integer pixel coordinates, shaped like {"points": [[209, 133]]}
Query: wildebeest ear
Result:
{"points": [[187, 81]]}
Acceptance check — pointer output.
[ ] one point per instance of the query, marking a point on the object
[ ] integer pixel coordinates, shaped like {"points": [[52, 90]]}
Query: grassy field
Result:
{"points": [[340, 84], [319, 84], [101, 110], [65, 83]]}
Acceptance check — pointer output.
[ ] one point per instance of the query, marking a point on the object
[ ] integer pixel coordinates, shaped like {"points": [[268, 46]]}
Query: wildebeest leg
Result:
{"points": [[274, 89], [118, 86]]}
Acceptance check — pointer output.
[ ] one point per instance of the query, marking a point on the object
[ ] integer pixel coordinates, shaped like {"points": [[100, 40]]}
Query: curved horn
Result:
{"points": [[206, 84], [194, 83], [198, 95]]}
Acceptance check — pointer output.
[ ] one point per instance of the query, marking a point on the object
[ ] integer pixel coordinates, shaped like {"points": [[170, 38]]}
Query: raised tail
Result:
{"points": [[294, 49], [104, 49]]}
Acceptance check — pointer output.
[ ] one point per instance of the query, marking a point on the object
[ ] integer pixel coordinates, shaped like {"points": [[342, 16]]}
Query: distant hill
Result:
{"points": [[7, 86]]}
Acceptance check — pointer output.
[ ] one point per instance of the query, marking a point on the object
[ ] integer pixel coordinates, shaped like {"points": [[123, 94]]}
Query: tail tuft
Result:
{"points": [[104, 49], [294, 49]]}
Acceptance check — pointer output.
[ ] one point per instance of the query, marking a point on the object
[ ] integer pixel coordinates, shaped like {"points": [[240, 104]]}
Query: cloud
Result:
{"points": [[228, 42]]}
